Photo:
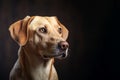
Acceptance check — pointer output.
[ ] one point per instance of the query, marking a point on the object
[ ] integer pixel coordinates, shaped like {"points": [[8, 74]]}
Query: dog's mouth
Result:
{"points": [[59, 54], [59, 51]]}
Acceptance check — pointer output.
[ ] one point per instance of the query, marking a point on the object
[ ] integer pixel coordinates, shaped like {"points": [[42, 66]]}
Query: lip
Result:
{"points": [[53, 55], [60, 54]]}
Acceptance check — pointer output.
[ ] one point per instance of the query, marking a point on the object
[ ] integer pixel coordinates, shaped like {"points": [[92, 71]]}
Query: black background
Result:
{"points": [[93, 36]]}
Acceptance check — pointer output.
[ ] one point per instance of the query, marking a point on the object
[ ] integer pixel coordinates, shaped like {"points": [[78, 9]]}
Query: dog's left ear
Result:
{"points": [[19, 31], [65, 31]]}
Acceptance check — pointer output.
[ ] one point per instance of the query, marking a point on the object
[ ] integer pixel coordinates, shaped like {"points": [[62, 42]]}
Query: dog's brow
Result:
{"points": [[51, 20], [37, 55]]}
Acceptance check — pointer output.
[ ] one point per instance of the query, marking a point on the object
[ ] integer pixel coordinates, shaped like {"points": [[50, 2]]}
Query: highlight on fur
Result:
{"points": [[41, 40]]}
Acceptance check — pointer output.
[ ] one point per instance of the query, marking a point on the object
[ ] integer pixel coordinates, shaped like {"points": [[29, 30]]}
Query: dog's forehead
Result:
{"points": [[39, 20]]}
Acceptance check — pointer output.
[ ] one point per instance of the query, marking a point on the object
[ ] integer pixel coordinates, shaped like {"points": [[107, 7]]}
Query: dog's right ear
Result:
{"points": [[19, 31]]}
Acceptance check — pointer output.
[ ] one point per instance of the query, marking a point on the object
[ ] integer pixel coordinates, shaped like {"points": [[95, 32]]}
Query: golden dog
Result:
{"points": [[41, 40]]}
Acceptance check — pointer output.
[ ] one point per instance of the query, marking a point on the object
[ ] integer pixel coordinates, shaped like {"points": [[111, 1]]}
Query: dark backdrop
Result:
{"points": [[94, 36]]}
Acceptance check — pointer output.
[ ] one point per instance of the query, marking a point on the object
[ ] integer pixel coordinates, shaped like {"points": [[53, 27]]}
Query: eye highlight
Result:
{"points": [[42, 30], [60, 30]]}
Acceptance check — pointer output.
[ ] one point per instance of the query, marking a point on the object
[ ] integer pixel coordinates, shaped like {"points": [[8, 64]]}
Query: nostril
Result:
{"points": [[63, 45]]}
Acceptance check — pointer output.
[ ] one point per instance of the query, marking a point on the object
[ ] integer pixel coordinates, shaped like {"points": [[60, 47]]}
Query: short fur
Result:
{"points": [[38, 38]]}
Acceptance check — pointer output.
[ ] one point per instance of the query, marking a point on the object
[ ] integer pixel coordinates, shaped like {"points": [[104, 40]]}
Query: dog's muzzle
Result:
{"points": [[60, 52], [63, 49]]}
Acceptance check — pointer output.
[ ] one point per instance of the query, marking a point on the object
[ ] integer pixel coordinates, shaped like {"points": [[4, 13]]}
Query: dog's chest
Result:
{"points": [[40, 73]]}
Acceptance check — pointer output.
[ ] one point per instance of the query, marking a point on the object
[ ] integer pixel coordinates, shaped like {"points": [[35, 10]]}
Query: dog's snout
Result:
{"points": [[63, 45]]}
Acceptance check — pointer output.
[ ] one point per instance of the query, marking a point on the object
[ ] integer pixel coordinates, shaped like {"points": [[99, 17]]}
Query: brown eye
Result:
{"points": [[43, 30], [60, 30]]}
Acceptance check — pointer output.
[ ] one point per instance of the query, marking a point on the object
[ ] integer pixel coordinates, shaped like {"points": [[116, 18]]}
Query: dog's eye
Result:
{"points": [[43, 30], [60, 30]]}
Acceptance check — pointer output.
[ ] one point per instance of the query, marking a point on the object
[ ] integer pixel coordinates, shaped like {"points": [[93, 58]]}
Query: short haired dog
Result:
{"points": [[41, 40]]}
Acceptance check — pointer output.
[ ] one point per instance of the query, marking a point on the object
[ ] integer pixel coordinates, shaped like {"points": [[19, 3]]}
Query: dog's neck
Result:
{"points": [[35, 66]]}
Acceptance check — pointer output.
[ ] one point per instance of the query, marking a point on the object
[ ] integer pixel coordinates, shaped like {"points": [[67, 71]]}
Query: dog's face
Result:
{"points": [[46, 35]]}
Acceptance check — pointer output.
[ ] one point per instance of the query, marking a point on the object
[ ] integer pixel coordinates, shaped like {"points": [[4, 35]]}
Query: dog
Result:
{"points": [[41, 40]]}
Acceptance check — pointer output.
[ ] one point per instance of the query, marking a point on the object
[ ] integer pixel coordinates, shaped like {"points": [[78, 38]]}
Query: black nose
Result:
{"points": [[63, 45]]}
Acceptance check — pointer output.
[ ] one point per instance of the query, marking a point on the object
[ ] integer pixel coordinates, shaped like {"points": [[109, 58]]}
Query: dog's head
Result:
{"points": [[46, 35]]}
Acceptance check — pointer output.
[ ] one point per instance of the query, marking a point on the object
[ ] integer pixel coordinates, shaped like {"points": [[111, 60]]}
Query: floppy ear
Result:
{"points": [[65, 31], [19, 31]]}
